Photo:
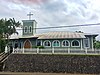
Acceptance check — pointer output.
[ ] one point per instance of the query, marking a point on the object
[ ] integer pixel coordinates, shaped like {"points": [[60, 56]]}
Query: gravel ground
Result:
{"points": [[20, 73]]}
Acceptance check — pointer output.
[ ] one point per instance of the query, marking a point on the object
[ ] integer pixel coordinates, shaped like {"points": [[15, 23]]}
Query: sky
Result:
{"points": [[50, 13]]}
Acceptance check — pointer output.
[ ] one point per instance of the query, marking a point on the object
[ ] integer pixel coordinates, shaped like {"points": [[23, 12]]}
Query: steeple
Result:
{"points": [[29, 26]]}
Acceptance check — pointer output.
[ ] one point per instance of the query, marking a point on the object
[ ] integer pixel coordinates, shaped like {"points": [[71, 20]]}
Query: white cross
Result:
{"points": [[30, 15]]}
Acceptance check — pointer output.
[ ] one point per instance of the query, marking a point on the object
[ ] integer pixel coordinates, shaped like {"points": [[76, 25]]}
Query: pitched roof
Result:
{"points": [[57, 35], [60, 35], [89, 34]]}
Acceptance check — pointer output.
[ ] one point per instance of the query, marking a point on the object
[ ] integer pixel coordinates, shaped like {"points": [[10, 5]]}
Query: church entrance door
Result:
{"points": [[27, 44]]}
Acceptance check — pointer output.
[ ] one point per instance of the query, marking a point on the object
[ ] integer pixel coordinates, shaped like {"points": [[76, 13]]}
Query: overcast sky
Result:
{"points": [[55, 13]]}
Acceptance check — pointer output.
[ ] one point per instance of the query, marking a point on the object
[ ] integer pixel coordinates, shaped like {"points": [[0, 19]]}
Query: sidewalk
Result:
{"points": [[26, 73]]}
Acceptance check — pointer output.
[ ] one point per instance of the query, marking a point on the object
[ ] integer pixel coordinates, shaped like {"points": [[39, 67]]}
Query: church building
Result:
{"points": [[54, 39]]}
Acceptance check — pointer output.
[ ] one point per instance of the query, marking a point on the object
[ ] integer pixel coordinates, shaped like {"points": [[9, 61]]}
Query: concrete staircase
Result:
{"points": [[3, 57]]}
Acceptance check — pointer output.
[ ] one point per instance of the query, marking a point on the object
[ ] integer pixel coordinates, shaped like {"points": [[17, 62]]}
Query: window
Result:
{"points": [[20, 45], [56, 43], [16, 44], [30, 29], [10, 43], [47, 43], [39, 43], [65, 43], [25, 29], [75, 43], [86, 43]]}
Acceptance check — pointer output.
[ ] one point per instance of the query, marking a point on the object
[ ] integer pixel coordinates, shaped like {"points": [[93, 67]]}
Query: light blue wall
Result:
{"points": [[28, 24], [60, 40], [34, 42], [21, 41]]}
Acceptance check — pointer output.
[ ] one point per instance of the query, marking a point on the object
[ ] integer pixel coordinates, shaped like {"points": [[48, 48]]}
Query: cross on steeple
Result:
{"points": [[30, 15]]}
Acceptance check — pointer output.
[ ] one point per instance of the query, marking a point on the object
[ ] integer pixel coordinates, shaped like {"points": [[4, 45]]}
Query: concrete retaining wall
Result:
{"points": [[53, 63]]}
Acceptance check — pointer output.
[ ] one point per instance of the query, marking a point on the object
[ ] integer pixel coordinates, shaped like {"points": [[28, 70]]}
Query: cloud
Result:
{"points": [[54, 12], [28, 1]]}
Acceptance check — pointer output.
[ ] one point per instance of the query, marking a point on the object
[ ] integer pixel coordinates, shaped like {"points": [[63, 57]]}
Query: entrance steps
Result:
{"points": [[3, 57]]}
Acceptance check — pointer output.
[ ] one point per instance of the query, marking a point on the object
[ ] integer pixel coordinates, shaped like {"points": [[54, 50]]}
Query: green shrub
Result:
{"points": [[40, 47], [2, 45]]}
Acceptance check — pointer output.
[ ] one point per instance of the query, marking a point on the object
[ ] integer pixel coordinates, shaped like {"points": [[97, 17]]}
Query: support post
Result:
{"points": [[53, 50], [86, 50], [81, 45], [6, 49], [23, 50], [13, 50], [37, 50], [68, 50], [92, 43], [41, 42]]}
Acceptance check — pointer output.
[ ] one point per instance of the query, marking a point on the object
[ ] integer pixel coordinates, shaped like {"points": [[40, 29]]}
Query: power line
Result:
{"points": [[70, 26], [77, 25]]}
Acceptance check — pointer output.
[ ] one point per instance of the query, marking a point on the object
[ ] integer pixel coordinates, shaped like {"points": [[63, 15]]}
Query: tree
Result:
{"points": [[97, 44], [7, 28]]}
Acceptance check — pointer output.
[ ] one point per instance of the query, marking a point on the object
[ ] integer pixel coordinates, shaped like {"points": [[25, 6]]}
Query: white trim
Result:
{"points": [[41, 42], [81, 45], [29, 29], [53, 43], [26, 31], [68, 43], [46, 41], [77, 41], [87, 38], [25, 42]]}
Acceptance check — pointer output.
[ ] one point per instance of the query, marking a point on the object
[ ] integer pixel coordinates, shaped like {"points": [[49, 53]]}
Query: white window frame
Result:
{"points": [[88, 43], [73, 41], [25, 31], [46, 41], [68, 43], [53, 43], [29, 29]]}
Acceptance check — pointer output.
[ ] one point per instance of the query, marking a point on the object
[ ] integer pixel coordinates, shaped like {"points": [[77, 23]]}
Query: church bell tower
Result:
{"points": [[29, 26]]}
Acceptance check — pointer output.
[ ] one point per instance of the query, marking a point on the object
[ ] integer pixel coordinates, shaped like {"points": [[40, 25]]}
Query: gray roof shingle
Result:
{"points": [[60, 35]]}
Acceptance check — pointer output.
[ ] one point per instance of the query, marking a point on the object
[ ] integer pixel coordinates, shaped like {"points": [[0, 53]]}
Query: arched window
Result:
{"points": [[25, 29], [56, 43], [65, 43], [75, 43], [30, 29], [10, 45], [16, 44], [47, 43]]}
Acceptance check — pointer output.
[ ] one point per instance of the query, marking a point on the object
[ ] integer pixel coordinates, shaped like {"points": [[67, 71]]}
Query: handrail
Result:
{"points": [[57, 50]]}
